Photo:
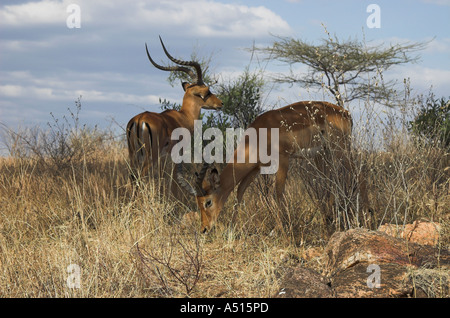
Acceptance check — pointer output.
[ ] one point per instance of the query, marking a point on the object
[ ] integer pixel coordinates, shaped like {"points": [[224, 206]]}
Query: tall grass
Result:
{"points": [[65, 198], [82, 212]]}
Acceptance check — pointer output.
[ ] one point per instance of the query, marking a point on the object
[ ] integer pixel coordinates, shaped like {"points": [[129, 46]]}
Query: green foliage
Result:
{"points": [[433, 120], [168, 105], [242, 98]]}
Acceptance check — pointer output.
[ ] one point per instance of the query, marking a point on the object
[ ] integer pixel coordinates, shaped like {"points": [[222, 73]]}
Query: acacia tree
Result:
{"points": [[347, 69]]}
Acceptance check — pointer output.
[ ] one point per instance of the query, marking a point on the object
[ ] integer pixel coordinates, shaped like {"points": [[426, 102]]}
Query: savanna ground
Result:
{"points": [[65, 199]]}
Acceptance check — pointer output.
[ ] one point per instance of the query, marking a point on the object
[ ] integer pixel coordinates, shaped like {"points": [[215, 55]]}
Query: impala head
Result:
{"points": [[208, 201], [196, 91], [206, 192]]}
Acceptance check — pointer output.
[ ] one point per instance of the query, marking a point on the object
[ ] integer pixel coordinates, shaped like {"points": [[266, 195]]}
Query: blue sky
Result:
{"points": [[45, 66]]}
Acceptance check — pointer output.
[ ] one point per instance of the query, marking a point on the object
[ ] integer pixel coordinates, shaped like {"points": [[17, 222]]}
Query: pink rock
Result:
{"points": [[420, 232]]}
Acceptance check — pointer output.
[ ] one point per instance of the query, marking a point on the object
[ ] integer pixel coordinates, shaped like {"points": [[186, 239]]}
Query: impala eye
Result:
{"points": [[208, 203], [204, 97], [199, 95]]}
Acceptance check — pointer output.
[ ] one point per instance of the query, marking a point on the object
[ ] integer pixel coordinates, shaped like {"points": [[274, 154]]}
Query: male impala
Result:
{"points": [[304, 128], [148, 134]]}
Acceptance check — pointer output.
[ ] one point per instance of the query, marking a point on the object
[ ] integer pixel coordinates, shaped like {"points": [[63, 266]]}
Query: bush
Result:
{"points": [[432, 123], [63, 143]]}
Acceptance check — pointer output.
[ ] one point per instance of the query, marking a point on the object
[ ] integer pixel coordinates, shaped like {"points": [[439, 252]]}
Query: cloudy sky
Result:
{"points": [[45, 65]]}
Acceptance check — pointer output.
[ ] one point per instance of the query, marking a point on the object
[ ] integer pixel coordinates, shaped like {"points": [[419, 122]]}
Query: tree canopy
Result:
{"points": [[348, 69]]}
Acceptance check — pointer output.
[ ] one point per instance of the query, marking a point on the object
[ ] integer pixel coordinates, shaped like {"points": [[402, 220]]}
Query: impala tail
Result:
{"points": [[139, 136]]}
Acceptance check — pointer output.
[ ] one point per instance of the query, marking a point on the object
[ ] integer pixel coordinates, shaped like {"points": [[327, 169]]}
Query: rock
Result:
{"points": [[421, 232], [359, 263], [359, 281], [346, 249], [300, 282], [312, 253], [357, 257]]}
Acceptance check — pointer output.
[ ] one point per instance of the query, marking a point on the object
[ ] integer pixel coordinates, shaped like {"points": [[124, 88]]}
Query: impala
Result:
{"points": [[305, 129], [149, 133]]}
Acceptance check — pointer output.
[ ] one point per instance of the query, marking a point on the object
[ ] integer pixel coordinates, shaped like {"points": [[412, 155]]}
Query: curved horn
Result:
{"points": [[198, 189], [182, 182], [169, 68], [196, 65], [200, 177]]}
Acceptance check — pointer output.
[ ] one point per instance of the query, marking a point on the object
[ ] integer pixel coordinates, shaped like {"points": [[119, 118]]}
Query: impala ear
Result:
{"points": [[185, 85], [214, 178]]}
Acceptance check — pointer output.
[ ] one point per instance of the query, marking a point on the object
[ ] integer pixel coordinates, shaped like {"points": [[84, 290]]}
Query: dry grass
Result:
{"points": [[85, 216], [81, 212]]}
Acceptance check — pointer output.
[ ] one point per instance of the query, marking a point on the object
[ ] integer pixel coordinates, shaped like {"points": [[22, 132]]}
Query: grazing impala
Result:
{"points": [[148, 134], [304, 128]]}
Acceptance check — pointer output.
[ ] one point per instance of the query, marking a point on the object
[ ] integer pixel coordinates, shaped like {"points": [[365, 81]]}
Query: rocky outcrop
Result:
{"points": [[361, 263], [420, 232]]}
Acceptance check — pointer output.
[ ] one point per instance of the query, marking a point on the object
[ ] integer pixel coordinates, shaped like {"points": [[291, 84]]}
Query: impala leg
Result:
{"points": [[174, 186], [280, 182], [280, 178]]}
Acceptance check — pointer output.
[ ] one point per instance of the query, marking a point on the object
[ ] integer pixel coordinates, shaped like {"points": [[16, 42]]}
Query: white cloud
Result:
{"points": [[26, 86], [28, 91], [11, 90], [42, 12], [438, 46], [422, 78], [199, 17], [32, 99], [207, 18], [430, 76]]}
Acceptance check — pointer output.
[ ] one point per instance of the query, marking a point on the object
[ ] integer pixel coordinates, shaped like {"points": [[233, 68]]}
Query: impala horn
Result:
{"points": [[197, 190], [196, 65], [200, 177], [182, 182], [196, 77]]}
